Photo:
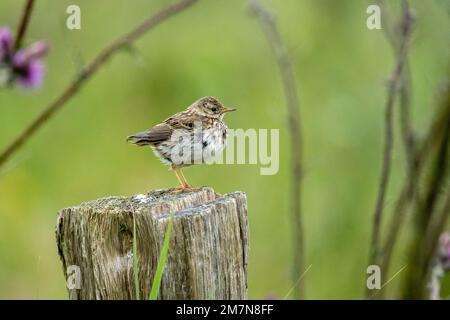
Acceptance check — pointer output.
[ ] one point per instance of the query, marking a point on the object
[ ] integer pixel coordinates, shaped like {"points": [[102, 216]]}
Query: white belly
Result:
{"points": [[195, 148], [213, 142]]}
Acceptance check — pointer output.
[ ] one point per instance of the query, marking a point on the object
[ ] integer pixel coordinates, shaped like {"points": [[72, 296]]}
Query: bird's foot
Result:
{"points": [[184, 188]]}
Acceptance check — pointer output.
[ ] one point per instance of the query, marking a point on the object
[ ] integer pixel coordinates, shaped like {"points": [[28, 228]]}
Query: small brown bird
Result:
{"points": [[192, 136]]}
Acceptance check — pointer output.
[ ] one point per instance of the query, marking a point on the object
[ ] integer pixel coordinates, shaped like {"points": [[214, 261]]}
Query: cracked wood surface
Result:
{"points": [[208, 251]]}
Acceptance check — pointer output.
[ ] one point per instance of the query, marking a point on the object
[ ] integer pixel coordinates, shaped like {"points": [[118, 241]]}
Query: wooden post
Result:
{"points": [[208, 250]]}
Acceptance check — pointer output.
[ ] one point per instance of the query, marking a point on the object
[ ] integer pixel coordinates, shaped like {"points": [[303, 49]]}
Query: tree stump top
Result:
{"points": [[160, 201]]}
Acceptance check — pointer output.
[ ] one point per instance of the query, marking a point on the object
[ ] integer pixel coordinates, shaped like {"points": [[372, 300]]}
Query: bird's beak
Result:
{"points": [[226, 109]]}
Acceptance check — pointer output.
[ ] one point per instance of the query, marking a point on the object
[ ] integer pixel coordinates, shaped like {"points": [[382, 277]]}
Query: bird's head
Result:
{"points": [[210, 107]]}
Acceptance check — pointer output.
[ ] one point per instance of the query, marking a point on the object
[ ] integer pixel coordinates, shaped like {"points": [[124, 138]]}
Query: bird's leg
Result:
{"points": [[183, 184], [184, 179], [180, 180]]}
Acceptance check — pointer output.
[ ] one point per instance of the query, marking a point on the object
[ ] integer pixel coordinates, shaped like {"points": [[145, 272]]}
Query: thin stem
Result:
{"points": [[394, 84], [408, 134], [23, 24], [401, 208], [284, 63], [88, 71], [408, 192], [429, 221], [437, 226]]}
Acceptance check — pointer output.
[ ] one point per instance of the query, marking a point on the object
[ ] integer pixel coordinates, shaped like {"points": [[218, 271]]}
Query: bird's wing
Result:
{"points": [[157, 134], [181, 120], [163, 131]]}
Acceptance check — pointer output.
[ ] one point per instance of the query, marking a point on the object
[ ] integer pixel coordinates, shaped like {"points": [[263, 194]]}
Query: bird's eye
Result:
{"points": [[213, 109]]}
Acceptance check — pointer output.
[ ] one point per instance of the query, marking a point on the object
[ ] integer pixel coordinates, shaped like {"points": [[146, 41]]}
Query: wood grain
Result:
{"points": [[208, 251]]}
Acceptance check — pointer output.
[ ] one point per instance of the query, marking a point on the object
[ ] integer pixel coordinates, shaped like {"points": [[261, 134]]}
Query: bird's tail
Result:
{"points": [[139, 139]]}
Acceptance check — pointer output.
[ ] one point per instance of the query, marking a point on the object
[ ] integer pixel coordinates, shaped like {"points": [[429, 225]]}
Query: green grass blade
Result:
{"points": [[135, 262], [162, 261]]}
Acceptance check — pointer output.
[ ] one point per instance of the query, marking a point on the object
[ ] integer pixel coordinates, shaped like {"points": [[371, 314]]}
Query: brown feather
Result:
{"points": [[157, 134]]}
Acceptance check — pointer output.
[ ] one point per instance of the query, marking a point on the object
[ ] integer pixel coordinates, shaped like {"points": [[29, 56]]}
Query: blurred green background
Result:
{"points": [[215, 48]]}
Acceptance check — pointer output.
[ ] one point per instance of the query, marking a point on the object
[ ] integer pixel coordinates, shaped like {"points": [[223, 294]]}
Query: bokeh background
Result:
{"points": [[215, 48]]}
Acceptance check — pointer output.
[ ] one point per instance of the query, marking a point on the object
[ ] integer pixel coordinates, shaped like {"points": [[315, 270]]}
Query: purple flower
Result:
{"points": [[36, 51], [31, 74], [5, 42], [23, 66], [27, 66], [444, 251]]}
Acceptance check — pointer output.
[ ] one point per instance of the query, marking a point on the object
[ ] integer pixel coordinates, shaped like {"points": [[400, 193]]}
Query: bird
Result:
{"points": [[192, 136]]}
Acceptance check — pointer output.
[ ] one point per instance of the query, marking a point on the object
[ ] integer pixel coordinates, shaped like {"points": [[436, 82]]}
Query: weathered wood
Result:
{"points": [[208, 251]]}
